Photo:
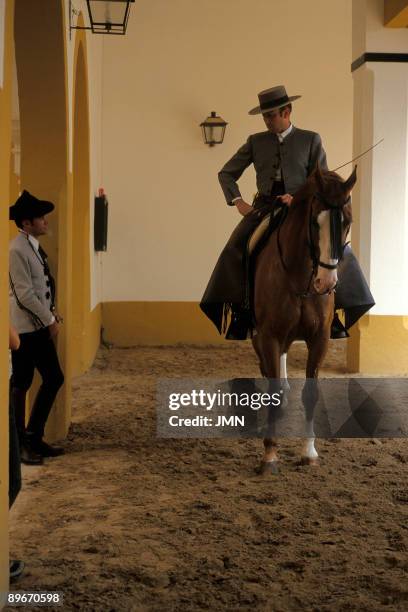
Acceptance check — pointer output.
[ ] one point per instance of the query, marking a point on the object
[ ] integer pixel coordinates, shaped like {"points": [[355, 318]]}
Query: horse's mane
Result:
{"points": [[309, 188]]}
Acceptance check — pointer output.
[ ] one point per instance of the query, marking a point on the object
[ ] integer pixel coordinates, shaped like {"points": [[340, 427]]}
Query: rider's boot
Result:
{"points": [[240, 326], [337, 329]]}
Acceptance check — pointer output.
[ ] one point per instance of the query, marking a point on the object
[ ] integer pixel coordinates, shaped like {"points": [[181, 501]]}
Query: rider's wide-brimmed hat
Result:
{"points": [[28, 206], [270, 99]]}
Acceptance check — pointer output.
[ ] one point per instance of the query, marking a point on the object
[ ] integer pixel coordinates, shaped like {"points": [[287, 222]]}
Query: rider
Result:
{"points": [[283, 156]]}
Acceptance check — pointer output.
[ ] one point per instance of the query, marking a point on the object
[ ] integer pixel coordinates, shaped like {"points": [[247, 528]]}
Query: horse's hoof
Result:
{"points": [[314, 461], [268, 467]]}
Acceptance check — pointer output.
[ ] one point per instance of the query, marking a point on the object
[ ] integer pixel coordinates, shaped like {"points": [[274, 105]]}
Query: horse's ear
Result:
{"points": [[351, 181], [318, 176]]}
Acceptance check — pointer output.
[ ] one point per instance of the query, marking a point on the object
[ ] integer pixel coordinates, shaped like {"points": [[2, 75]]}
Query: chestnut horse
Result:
{"points": [[295, 276]]}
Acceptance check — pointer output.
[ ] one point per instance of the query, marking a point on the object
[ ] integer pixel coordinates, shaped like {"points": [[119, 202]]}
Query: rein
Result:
{"points": [[335, 241], [306, 293]]}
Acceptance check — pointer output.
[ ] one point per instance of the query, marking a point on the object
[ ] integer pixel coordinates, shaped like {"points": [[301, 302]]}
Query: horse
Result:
{"points": [[295, 279]]}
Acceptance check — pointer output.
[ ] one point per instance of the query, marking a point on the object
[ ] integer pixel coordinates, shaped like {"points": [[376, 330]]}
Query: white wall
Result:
{"points": [[381, 103], [179, 61], [371, 35]]}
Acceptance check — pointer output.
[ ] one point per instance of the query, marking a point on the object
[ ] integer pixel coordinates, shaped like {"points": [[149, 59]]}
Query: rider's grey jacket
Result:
{"points": [[297, 155]]}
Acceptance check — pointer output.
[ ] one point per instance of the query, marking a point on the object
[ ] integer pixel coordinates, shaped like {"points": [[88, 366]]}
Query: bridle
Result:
{"points": [[336, 241], [335, 232]]}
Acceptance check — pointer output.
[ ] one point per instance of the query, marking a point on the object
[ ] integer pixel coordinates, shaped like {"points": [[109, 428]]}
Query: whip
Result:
{"points": [[358, 156]]}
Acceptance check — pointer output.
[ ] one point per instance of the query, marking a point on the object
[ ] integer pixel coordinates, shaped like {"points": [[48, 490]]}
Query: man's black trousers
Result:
{"points": [[37, 351]]}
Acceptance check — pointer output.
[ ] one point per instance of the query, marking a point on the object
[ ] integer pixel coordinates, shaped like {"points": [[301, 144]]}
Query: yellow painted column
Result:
{"points": [[81, 277], [42, 87], [396, 13], [6, 54], [379, 343]]}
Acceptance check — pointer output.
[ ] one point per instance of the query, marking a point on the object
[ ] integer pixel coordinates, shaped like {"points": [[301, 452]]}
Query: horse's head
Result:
{"points": [[330, 220]]}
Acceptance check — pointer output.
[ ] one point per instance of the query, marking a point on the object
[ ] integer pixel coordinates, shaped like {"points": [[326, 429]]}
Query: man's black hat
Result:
{"points": [[29, 207], [271, 99]]}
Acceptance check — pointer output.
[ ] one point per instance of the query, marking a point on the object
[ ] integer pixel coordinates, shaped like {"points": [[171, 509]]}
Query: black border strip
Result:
{"points": [[378, 57]]}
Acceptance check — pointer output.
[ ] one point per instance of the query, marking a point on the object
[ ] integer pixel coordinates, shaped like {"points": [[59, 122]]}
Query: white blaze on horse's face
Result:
{"points": [[325, 279]]}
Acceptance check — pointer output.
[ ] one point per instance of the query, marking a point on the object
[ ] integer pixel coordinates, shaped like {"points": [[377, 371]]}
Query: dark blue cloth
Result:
{"points": [[14, 457]]}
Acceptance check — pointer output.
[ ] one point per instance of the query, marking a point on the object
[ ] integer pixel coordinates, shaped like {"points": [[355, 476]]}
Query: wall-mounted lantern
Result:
{"points": [[213, 129], [105, 16]]}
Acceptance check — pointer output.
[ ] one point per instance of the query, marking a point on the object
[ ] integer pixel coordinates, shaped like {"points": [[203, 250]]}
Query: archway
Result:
{"points": [[80, 211]]}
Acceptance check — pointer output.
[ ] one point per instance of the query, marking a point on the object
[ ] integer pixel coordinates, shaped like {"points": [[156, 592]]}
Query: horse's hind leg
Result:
{"points": [[257, 348], [285, 387], [284, 372]]}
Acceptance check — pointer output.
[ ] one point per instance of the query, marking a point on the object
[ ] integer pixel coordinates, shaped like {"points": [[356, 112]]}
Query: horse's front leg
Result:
{"points": [[283, 372], [317, 349], [310, 396], [270, 350]]}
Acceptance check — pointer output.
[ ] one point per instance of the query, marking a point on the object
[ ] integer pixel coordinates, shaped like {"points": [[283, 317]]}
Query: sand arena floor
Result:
{"points": [[128, 522]]}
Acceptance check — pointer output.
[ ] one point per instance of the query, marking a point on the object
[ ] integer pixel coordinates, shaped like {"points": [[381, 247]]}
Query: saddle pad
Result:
{"points": [[259, 231]]}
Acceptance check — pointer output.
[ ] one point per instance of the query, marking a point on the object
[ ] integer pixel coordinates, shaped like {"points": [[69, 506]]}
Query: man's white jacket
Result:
{"points": [[30, 291]]}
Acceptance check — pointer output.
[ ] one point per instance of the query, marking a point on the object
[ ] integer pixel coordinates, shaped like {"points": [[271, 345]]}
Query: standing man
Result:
{"points": [[33, 314], [283, 157]]}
